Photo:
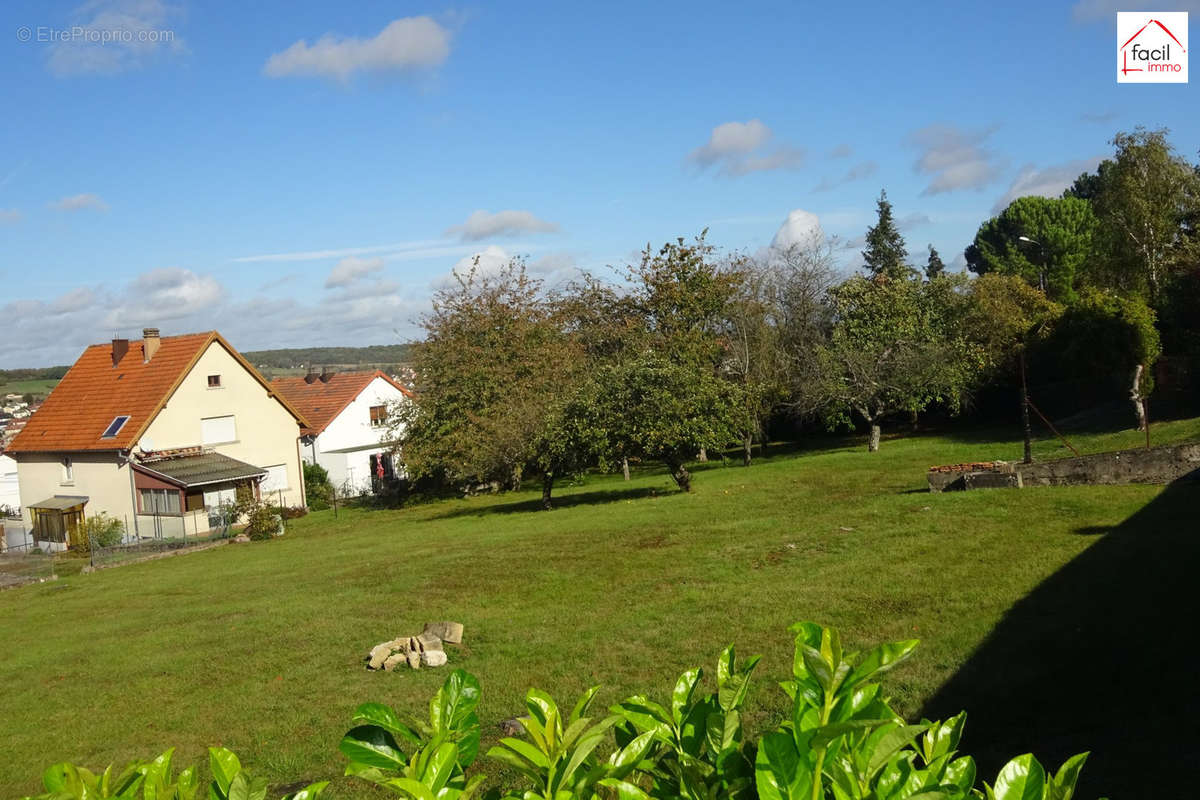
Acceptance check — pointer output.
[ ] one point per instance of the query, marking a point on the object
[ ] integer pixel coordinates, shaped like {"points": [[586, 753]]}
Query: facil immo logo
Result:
{"points": [[1152, 47]]}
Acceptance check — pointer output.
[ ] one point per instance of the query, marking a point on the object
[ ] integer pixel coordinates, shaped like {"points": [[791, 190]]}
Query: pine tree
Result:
{"points": [[885, 253], [934, 267]]}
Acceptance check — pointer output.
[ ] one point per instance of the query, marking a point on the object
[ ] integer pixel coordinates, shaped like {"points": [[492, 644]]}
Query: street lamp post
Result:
{"points": [[1042, 261], [1028, 432]]}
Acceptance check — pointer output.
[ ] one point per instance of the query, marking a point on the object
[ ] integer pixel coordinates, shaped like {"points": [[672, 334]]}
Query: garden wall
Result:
{"points": [[1156, 465]]}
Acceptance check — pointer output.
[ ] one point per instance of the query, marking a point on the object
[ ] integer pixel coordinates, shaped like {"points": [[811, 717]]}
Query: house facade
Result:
{"points": [[158, 433], [348, 429]]}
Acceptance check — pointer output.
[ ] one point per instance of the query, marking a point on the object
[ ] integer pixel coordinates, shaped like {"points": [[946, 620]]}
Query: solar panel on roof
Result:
{"points": [[114, 427]]}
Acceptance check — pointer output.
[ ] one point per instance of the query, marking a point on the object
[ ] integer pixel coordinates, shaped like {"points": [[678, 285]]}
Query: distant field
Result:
{"points": [[1052, 599], [37, 387]]}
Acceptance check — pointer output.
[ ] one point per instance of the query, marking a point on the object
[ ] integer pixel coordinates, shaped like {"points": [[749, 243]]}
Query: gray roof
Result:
{"points": [[202, 469], [59, 502]]}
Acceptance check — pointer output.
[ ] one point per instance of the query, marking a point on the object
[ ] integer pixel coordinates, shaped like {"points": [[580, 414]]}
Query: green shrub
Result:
{"points": [[103, 529], [318, 489]]}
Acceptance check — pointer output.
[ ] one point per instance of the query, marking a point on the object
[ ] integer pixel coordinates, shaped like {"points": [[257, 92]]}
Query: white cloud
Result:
{"points": [[164, 294], [857, 172], [842, 150], [111, 36], [739, 148], [485, 225], [406, 44], [1106, 10], [1045, 182], [801, 228], [487, 261], [10, 216], [1099, 118], [351, 269], [954, 158], [913, 220], [79, 202]]}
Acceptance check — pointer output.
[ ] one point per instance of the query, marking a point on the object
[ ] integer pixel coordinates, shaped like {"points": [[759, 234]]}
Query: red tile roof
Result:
{"points": [[320, 402], [94, 392]]}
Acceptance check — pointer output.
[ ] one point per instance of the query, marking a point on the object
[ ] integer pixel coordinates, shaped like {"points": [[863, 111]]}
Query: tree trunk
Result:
{"points": [[625, 467], [747, 442], [703, 456], [914, 421], [515, 480], [679, 472], [1135, 394], [547, 488], [873, 441]]}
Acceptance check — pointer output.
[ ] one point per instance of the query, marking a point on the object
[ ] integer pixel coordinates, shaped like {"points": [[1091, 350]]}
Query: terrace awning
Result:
{"points": [[202, 469], [60, 503]]}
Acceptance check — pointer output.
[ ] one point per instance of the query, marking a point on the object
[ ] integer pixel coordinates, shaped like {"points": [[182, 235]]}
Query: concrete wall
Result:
{"points": [[1157, 465], [101, 477], [267, 434]]}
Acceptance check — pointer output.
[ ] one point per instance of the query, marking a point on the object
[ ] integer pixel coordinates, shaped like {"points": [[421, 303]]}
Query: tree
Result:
{"points": [[1145, 200], [934, 267], [1107, 339], [1046, 241], [893, 348], [494, 372], [885, 253]]}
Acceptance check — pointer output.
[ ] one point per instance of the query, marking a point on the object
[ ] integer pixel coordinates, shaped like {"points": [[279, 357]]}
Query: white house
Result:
{"points": [[158, 433], [347, 430], [10, 491]]}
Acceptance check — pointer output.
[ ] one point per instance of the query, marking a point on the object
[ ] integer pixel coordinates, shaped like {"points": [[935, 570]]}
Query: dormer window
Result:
{"points": [[214, 381], [114, 427]]}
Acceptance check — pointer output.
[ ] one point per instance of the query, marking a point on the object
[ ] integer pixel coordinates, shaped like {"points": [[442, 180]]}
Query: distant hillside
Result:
{"points": [[376, 355], [32, 374]]}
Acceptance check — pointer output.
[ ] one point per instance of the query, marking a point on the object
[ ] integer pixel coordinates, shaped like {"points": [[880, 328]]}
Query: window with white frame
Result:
{"points": [[218, 430], [68, 471], [160, 502], [276, 479]]}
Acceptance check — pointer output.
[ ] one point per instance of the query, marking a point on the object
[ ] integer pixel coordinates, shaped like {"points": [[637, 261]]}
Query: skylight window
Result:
{"points": [[114, 427]]}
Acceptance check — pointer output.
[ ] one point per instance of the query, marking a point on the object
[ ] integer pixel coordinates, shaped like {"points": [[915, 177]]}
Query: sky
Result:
{"points": [[298, 174]]}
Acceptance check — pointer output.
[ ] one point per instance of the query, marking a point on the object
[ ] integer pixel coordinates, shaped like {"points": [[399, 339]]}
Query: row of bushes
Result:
{"points": [[841, 740]]}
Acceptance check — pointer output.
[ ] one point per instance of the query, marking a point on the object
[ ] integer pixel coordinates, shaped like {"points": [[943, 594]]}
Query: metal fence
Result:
{"points": [[22, 560], [161, 535]]}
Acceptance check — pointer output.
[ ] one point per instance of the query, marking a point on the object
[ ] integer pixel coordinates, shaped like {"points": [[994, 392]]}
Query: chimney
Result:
{"points": [[120, 348], [311, 375], [150, 342], [326, 374]]}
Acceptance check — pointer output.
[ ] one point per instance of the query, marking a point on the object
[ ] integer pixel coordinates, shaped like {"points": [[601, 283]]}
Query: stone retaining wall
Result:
{"points": [[1156, 465]]}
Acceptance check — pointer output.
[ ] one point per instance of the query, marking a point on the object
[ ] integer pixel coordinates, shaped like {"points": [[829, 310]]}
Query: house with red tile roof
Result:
{"points": [[348, 432], [158, 433]]}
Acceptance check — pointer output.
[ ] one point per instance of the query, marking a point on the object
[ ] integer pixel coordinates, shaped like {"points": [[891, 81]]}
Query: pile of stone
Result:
{"points": [[424, 650]]}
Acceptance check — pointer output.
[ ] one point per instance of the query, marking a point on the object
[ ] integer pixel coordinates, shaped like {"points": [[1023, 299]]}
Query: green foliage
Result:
{"points": [[1057, 259], [102, 529], [897, 345], [698, 749], [318, 489], [155, 780], [1004, 313], [1100, 340], [441, 750], [934, 266], [1148, 200], [559, 762], [378, 355], [262, 521], [886, 253]]}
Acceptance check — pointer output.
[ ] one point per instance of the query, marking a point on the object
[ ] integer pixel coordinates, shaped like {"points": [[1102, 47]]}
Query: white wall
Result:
{"points": [[266, 432], [100, 477], [346, 445], [10, 487]]}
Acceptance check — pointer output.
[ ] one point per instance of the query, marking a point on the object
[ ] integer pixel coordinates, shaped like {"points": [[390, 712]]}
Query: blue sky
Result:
{"points": [[300, 174]]}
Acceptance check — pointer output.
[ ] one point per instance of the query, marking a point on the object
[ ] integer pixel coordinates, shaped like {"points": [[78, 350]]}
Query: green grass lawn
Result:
{"points": [[259, 647], [41, 388]]}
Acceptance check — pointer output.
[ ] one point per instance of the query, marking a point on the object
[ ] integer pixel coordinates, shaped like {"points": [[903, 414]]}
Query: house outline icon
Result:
{"points": [[1125, 68]]}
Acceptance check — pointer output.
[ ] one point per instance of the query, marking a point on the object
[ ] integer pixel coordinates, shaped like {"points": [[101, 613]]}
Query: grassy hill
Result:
{"points": [[259, 647], [378, 355]]}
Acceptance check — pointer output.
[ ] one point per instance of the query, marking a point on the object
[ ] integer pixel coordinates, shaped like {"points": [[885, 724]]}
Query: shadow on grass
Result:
{"points": [[534, 503], [1095, 659]]}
